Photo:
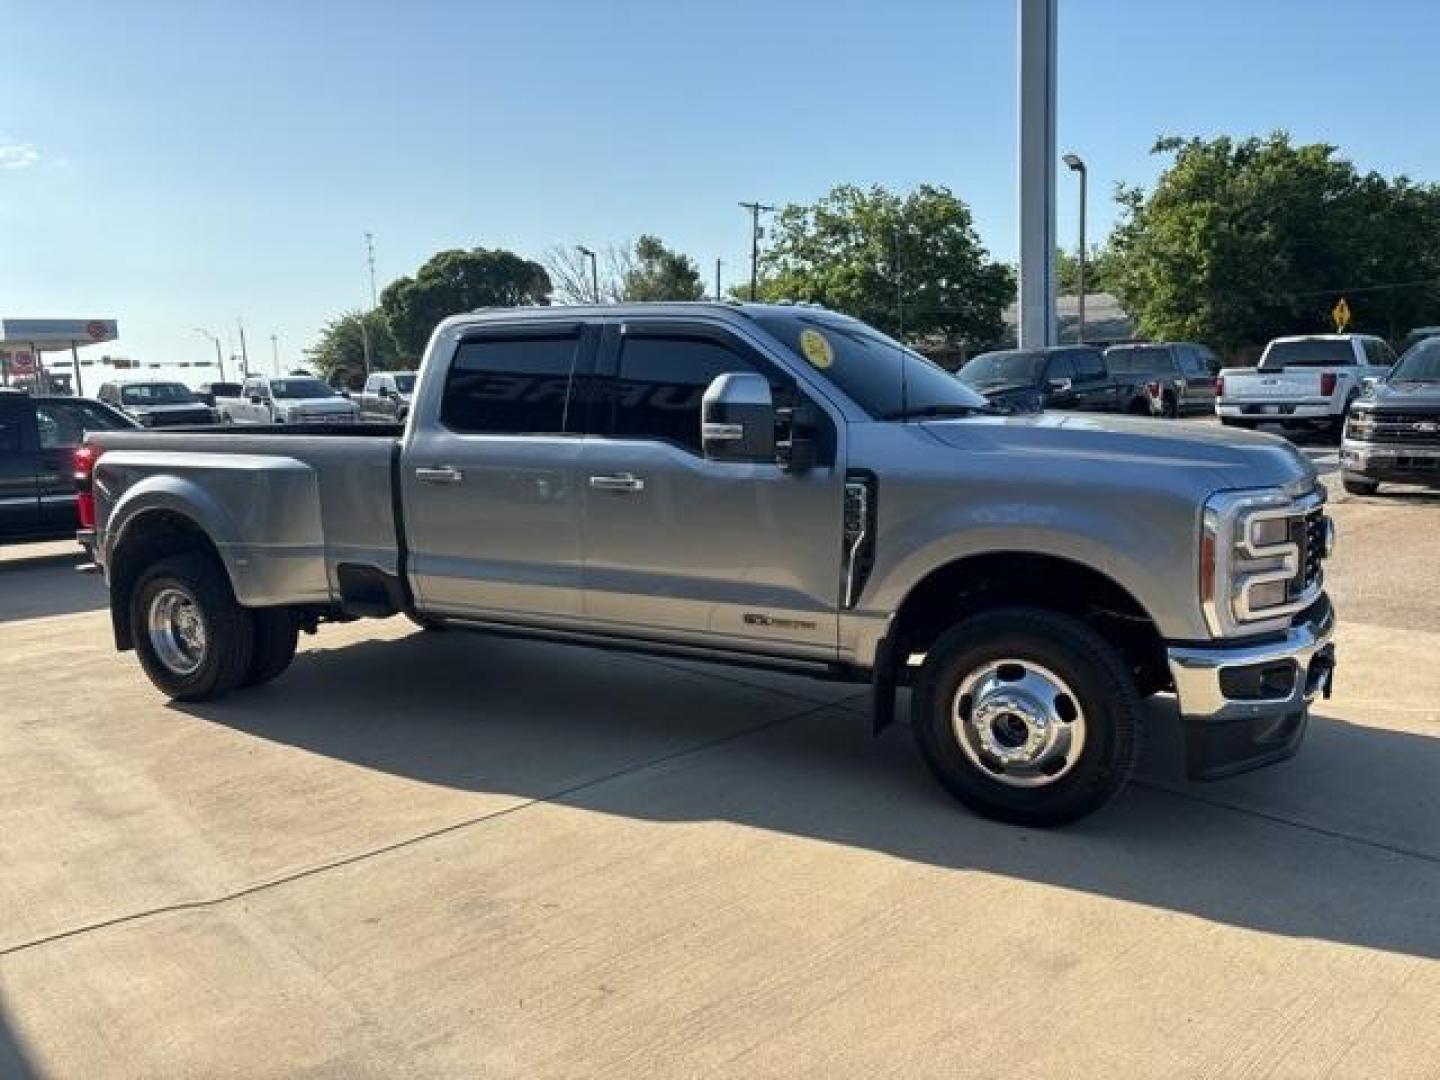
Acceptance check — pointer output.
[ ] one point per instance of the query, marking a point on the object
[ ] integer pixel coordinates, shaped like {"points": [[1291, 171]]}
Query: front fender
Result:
{"points": [[261, 513]]}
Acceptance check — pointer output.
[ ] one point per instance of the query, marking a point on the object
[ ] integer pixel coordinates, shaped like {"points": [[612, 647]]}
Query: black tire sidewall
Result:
{"points": [[277, 631], [1095, 673], [228, 630]]}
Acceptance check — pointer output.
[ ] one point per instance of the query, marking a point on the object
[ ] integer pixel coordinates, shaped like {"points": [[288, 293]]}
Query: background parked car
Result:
{"points": [[295, 399], [158, 404], [1058, 377], [1305, 381], [1419, 334], [1393, 430], [209, 392], [386, 396], [38, 437], [1183, 373]]}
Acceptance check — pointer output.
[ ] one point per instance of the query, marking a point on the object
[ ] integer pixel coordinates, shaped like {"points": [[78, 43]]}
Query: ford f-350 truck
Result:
{"points": [[771, 485]]}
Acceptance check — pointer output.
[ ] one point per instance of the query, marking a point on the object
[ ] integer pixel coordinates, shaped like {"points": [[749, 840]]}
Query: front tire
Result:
{"points": [[194, 641], [1026, 716], [1359, 485]]}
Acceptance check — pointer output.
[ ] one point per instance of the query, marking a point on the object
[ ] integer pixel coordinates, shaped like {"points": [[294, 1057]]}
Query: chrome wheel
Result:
{"points": [[177, 630], [1018, 722]]}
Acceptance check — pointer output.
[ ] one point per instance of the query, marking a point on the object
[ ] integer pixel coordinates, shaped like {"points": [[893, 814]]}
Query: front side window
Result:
{"points": [[661, 382], [405, 384], [1089, 364], [10, 414], [1060, 367], [515, 386], [1140, 360]]}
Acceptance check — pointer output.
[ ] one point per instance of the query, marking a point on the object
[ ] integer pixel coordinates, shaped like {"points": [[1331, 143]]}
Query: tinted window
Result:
{"points": [[405, 384], [10, 413], [1308, 352], [1060, 367], [1009, 367], [301, 388], [1089, 363], [64, 423], [1421, 363], [661, 381], [1140, 360], [510, 385]]}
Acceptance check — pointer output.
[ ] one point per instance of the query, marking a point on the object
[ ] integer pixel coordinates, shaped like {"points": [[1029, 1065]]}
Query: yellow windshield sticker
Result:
{"points": [[816, 348]]}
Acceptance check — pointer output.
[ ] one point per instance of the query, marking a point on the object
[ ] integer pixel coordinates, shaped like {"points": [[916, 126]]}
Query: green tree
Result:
{"points": [[1097, 269], [455, 281], [339, 353], [911, 264], [658, 273], [1240, 241]]}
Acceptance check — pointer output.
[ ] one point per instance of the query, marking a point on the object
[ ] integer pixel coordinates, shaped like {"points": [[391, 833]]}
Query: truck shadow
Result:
{"points": [[41, 585], [1339, 844]]}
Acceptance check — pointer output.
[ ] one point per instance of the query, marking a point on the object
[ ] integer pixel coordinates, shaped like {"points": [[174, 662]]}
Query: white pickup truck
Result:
{"points": [[1306, 381]]}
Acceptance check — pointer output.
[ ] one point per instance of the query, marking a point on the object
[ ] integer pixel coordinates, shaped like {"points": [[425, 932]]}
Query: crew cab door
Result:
{"points": [[490, 480], [19, 499], [733, 555], [61, 425]]}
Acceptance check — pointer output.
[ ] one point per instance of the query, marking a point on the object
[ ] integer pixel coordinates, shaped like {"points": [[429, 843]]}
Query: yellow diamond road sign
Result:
{"points": [[1341, 314]]}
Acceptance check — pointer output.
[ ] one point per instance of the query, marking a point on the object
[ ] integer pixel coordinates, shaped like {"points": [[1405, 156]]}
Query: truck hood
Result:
{"points": [[1213, 457], [1406, 395]]}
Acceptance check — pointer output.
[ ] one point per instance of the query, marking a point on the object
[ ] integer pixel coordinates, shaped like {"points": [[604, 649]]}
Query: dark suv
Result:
{"points": [[1057, 377], [1183, 373]]}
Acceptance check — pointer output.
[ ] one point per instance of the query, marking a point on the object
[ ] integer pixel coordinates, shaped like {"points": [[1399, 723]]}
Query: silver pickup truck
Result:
{"points": [[764, 485]]}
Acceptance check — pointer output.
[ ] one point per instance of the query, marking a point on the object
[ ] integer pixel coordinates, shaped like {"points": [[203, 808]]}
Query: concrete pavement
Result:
{"points": [[449, 855]]}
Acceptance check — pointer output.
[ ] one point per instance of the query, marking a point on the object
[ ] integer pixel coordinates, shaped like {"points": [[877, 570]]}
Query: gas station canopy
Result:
{"points": [[23, 340]]}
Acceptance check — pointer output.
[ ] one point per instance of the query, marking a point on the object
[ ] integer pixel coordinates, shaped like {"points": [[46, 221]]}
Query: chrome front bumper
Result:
{"points": [[1228, 729]]}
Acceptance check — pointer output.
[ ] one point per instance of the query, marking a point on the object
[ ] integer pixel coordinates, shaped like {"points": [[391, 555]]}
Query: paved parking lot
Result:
{"points": [[451, 855]]}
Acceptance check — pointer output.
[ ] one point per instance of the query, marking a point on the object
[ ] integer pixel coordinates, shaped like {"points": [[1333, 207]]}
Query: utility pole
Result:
{"points": [[275, 354], [717, 280], [214, 340], [370, 258], [244, 352], [756, 209], [594, 272], [1074, 164], [1037, 40]]}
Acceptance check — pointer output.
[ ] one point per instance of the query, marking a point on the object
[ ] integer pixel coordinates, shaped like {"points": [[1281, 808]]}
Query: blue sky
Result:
{"points": [[179, 165]]}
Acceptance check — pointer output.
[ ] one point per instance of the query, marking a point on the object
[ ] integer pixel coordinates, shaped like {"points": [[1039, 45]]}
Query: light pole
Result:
{"points": [[594, 271], [244, 352], [214, 340], [1074, 164], [756, 209], [275, 353]]}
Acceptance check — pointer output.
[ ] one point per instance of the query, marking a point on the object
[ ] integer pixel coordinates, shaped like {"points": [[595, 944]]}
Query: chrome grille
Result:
{"points": [[1417, 429]]}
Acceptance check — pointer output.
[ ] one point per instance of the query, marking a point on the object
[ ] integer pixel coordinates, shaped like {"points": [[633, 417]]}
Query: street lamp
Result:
{"points": [[594, 273], [1074, 164], [214, 340]]}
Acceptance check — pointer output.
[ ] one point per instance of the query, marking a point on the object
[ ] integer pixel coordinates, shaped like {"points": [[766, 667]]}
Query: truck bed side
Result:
{"points": [[283, 511]]}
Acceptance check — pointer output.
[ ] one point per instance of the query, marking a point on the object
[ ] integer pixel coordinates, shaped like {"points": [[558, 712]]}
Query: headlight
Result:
{"points": [[1260, 558]]}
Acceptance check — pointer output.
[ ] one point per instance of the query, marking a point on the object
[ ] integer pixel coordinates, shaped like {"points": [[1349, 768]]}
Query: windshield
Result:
{"points": [[1420, 364], [1308, 352], [1010, 367], [301, 388], [405, 384], [167, 393], [867, 366], [1138, 359]]}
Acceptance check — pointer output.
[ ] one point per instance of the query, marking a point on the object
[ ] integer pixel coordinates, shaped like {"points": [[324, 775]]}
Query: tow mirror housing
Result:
{"points": [[737, 418]]}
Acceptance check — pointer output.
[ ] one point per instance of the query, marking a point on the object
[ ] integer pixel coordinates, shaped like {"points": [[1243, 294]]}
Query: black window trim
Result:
{"points": [[584, 332]]}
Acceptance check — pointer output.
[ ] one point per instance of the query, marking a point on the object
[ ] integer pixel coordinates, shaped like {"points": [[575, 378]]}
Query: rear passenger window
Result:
{"points": [[9, 428], [661, 381], [1089, 364], [1060, 367], [515, 386]]}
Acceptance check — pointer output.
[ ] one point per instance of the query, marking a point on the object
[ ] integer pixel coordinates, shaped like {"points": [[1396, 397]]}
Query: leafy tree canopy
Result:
{"points": [[658, 273], [339, 354], [1241, 241], [456, 281], [910, 264]]}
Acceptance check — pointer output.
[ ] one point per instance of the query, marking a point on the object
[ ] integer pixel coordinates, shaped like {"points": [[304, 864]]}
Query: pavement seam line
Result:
{"points": [[419, 838], [1294, 823]]}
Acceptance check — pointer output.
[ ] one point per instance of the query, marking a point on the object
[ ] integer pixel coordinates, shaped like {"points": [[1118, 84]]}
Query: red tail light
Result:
{"points": [[1219, 385], [1153, 389], [85, 458], [1327, 383]]}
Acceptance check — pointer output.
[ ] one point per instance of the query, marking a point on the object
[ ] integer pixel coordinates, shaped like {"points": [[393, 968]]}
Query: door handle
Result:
{"points": [[439, 474], [618, 482]]}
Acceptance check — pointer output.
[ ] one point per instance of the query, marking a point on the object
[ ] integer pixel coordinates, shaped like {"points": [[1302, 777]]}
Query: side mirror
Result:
{"points": [[737, 419], [1061, 386]]}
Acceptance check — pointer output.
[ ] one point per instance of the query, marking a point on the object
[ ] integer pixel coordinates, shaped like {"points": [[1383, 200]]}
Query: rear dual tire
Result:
{"points": [[195, 642]]}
